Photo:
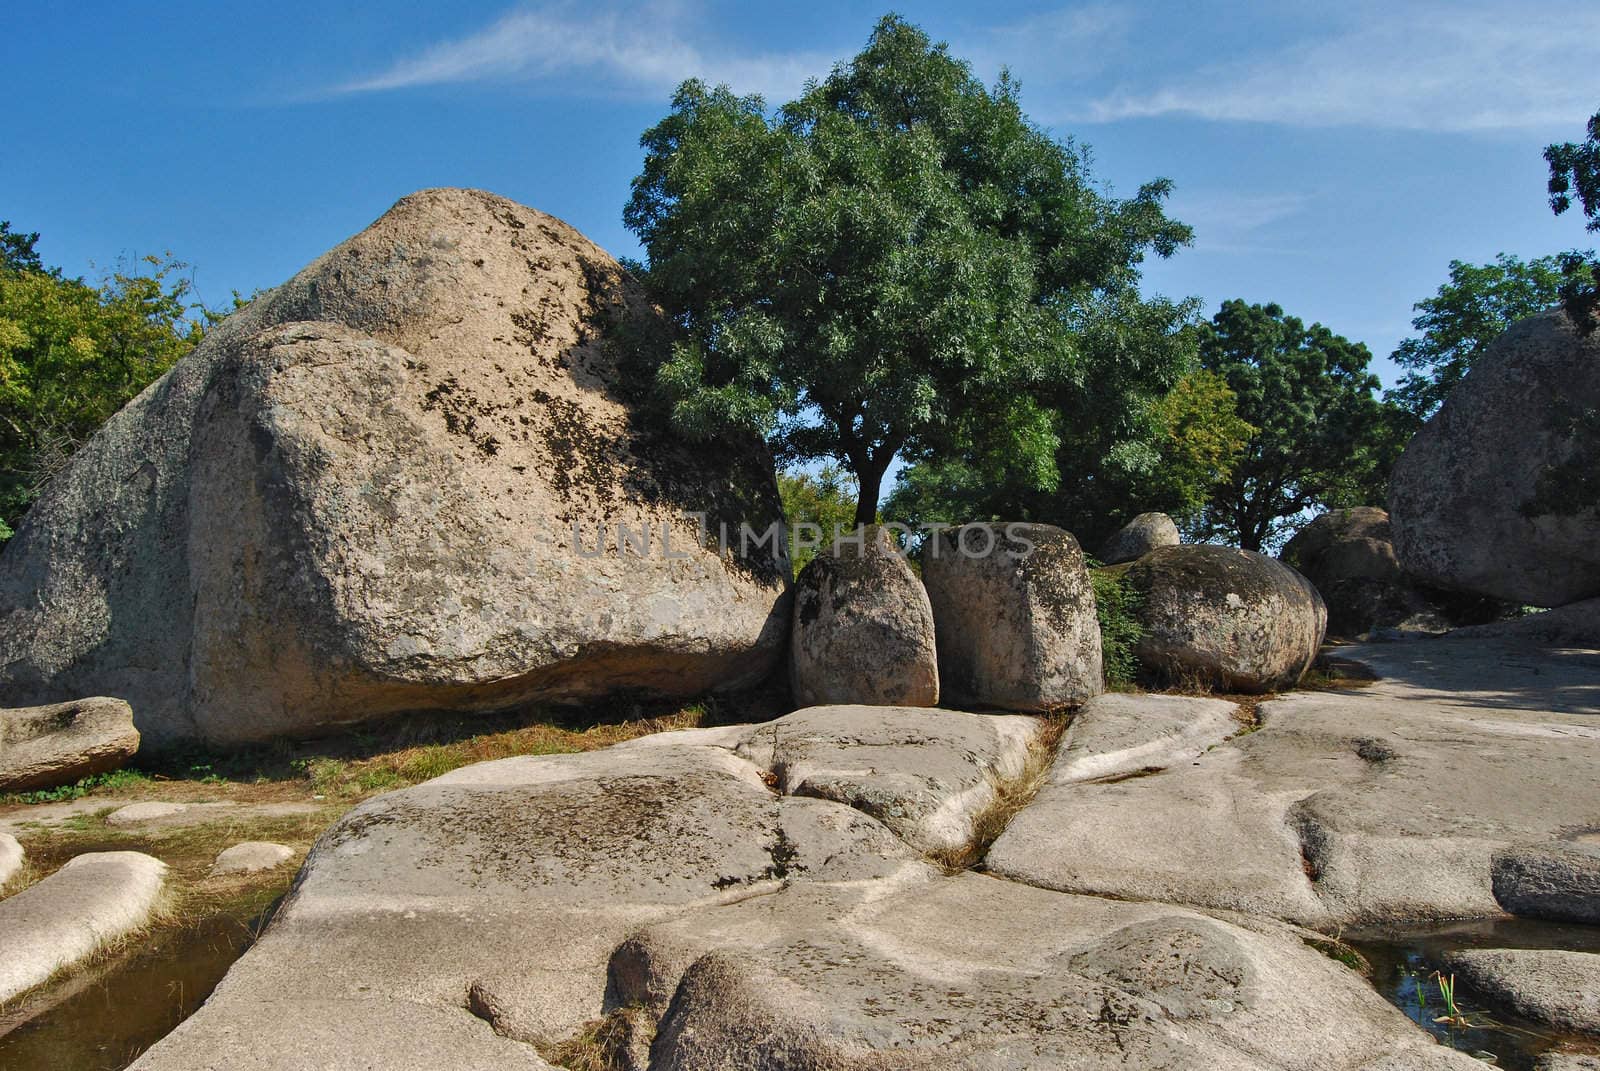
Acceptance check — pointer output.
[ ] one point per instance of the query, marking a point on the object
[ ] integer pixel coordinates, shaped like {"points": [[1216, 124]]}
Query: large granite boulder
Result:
{"points": [[863, 629], [42, 747], [1139, 537], [399, 482], [1227, 618], [1014, 612], [1460, 494], [1349, 557]]}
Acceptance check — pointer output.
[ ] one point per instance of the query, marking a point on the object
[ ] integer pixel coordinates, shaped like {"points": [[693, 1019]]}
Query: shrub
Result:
{"points": [[1117, 602]]}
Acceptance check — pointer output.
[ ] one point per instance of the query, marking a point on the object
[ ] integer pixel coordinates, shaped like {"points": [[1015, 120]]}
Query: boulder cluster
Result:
{"points": [[424, 475]]}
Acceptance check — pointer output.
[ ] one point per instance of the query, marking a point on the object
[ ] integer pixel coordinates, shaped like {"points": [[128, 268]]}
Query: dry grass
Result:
{"points": [[1010, 796], [604, 1044]]}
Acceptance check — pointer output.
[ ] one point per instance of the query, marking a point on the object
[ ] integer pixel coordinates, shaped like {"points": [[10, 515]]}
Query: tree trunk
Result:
{"points": [[870, 477]]}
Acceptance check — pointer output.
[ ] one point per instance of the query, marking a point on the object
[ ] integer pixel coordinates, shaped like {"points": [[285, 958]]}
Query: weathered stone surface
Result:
{"points": [[1556, 988], [1574, 625], [1231, 618], [1567, 1061], [378, 488], [1349, 557], [1014, 613], [1115, 735], [148, 811], [11, 858], [1458, 493], [863, 629], [92, 900], [1139, 537], [42, 747], [1558, 880], [1377, 804], [924, 773], [250, 857], [514, 881], [677, 888], [970, 972]]}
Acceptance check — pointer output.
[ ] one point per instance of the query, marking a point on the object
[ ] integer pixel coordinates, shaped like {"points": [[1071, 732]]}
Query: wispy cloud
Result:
{"points": [[1226, 222], [1437, 67], [647, 49]]}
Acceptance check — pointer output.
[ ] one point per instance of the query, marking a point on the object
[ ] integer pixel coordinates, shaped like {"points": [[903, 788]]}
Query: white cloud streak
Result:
{"points": [[1436, 67], [589, 50]]}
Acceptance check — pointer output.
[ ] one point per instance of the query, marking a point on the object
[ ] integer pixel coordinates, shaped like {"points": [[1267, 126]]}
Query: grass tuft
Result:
{"points": [[1010, 797]]}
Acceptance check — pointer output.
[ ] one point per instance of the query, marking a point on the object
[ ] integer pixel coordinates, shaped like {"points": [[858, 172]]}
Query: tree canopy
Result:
{"points": [[1470, 311], [897, 262], [1322, 437], [1575, 173], [72, 354]]}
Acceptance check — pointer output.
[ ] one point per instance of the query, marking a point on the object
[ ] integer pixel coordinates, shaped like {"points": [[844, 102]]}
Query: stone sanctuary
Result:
{"points": [[413, 479]]}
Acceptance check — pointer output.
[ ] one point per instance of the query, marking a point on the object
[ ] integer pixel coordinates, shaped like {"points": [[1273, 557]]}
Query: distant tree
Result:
{"points": [[825, 498], [72, 354], [894, 263], [17, 252], [1322, 436], [1470, 311], [1575, 173]]}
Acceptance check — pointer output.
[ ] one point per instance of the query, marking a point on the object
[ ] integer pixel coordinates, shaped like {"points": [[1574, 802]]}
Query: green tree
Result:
{"points": [[72, 354], [1322, 436], [892, 263], [17, 252], [1470, 311], [1575, 173], [825, 498]]}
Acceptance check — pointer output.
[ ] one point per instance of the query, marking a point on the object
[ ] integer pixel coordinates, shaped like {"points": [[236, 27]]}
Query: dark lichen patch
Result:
{"points": [[461, 411]]}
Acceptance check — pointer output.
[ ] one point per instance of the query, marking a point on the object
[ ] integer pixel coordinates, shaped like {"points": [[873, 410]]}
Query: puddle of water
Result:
{"points": [[108, 1018], [1403, 962]]}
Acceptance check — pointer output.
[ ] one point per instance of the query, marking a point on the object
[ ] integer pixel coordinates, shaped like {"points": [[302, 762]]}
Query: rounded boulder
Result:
{"points": [[1014, 612], [1230, 619], [863, 629], [1465, 496], [1139, 537]]}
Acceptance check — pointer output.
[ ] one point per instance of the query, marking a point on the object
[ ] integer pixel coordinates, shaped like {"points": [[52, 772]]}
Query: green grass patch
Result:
{"points": [[112, 780]]}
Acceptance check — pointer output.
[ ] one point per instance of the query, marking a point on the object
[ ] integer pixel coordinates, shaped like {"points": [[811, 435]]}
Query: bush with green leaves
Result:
{"points": [[1117, 604], [72, 354]]}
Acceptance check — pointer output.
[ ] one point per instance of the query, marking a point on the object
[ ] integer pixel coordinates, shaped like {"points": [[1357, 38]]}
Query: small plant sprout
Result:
{"points": [[1447, 991]]}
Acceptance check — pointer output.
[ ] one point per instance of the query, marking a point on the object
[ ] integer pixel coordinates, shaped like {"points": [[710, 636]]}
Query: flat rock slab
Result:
{"points": [[28, 817], [1370, 805], [250, 857], [43, 747], [1119, 734], [925, 773], [152, 811], [514, 881], [1556, 988], [92, 900], [11, 857], [471, 920], [971, 972]]}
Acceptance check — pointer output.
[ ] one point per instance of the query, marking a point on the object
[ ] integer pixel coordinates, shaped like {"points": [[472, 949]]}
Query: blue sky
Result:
{"points": [[1332, 158]]}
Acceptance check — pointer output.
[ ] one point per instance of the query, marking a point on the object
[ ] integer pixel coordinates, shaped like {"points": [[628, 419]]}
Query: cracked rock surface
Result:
{"points": [[758, 897], [1352, 807]]}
